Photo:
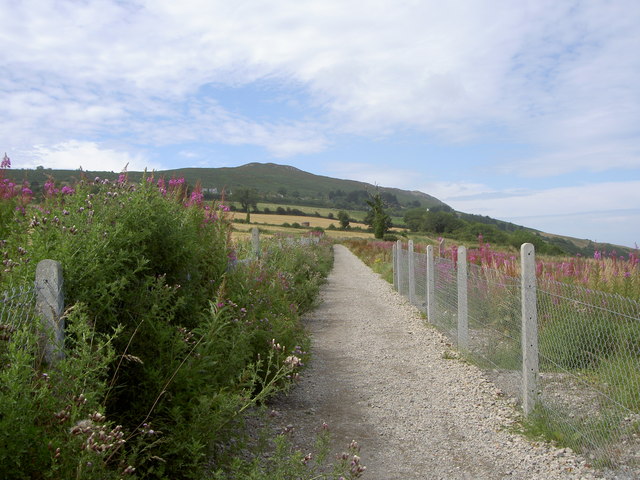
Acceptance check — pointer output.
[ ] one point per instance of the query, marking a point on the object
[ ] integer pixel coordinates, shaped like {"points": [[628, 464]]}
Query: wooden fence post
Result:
{"points": [[529, 328], [50, 305], [463, 310]]}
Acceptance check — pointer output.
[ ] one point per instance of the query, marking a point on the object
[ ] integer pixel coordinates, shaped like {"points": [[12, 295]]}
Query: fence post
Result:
{"points": [[431, 285], [399, 264], [50, 305], [394, 259], [441, 248], [255, 241], [529, 328], [412, 274], [463, 311]]}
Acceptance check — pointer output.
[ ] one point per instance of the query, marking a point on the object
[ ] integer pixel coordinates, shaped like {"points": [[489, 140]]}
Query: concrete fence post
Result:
{"points": [[431, 285], [412, 274], [441, 248], [399, 264], [50, 305], [394, 265], [529, 328], [463, 308], [255, 241]]}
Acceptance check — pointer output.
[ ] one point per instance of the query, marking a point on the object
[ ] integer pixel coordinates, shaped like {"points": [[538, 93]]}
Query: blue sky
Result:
{"points": [[526, 111]]}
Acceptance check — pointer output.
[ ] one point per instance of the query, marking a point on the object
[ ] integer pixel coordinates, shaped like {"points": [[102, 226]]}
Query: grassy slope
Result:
{"points": [[267, 178]]}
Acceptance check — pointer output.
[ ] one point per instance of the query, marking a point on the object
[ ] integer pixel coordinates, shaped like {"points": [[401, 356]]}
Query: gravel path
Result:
{"points": [[380, 376]]}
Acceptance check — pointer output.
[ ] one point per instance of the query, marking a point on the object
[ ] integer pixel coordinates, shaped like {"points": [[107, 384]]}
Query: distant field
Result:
{"points": [[273, 223], [265, 219], [355, 214], [241, 230]]}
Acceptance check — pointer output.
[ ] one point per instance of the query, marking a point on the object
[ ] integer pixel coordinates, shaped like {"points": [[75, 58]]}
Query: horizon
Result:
{"points": [[527, 113]]}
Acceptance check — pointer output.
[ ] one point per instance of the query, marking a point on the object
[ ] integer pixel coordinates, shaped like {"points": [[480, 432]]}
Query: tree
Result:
{"points": [[248, 198], [442, 222], [343, 217], [415, 218], [377, 217]]}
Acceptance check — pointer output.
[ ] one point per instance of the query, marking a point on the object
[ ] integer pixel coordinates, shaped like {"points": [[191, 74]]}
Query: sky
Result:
{"points": [[526, 111]]}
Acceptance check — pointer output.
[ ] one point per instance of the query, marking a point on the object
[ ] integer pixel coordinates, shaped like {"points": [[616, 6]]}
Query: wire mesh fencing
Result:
{"points": [[17, 311], [586, 391], [35, 308]]}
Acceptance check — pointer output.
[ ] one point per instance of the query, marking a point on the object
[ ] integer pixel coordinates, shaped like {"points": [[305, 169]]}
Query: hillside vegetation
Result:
{"points": [[284, 190]]}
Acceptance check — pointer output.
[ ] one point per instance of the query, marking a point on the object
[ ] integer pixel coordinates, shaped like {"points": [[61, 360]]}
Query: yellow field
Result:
{"points": [[264, 219], [273, 224]]}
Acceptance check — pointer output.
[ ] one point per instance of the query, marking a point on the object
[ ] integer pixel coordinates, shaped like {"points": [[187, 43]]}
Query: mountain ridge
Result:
{"points": [[290, 185]]}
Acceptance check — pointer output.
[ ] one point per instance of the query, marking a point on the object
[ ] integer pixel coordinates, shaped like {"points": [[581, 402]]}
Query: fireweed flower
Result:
{"points": [[50, 188], [6, 161]]}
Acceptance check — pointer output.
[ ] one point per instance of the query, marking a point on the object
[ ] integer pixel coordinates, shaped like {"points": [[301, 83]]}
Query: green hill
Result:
{"points": [[273, 182], [286, 185]]}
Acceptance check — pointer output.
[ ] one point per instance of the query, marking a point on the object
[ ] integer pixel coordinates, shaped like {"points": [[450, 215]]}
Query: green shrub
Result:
{"points": [[48, 413], [197, 345]]}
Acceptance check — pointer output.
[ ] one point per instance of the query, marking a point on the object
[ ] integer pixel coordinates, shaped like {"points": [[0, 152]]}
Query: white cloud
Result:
{"points": [[555, 74], [73, 154], [452, 190], [588, 156], [619, 227], [595, 197], [382, 175]]}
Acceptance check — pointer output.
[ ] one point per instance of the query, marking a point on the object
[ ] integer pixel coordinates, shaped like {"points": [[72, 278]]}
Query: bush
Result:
{"points": [[193, 348], [47, 414]]}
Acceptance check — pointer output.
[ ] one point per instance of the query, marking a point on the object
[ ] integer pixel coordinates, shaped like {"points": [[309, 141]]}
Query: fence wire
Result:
{"points": [[420, 269], [495, 329], [446, 298], [588, 349], [17, 310]]}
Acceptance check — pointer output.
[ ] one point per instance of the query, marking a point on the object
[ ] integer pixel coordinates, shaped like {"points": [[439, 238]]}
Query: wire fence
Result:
{"points": [[17, 310], [35, 308], [585, 363]]}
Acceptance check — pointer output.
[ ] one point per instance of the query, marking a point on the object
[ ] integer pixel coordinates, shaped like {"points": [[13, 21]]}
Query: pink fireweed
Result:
{"points": [[606, 271], [6, 162]]}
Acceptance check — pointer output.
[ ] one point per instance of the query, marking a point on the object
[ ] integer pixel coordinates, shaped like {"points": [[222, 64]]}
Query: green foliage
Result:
{"points": [[343, 218], [280, 460], [566, 431], [378, 218], [47, 414], [375, 254], [246, 197], [578, 341], [197, 343], [543, 247]]}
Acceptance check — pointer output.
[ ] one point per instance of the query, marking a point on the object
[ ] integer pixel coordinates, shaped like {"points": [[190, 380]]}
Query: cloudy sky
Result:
{"points": [[527, 111]]}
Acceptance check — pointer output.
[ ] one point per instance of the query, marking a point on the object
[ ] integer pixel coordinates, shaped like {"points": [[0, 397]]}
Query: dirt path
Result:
{"points": [[380, 376]]}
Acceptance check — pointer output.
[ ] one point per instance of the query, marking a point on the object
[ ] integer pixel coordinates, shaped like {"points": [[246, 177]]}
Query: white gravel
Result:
{"points": [[380, 375]]}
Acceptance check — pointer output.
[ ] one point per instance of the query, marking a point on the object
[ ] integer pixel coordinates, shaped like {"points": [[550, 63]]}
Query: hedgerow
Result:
{"points": [[166, 346]]}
